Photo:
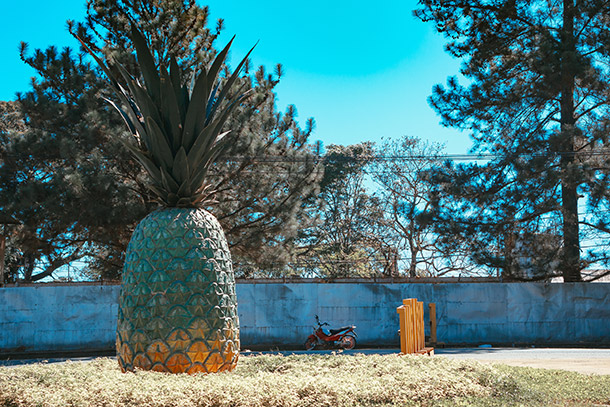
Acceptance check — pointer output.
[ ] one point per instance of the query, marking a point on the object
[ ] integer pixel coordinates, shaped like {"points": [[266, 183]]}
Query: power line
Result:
{"points": [[262, 159], [438, 157]]}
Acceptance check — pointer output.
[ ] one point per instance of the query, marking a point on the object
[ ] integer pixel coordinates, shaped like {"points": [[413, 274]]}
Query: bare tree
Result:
{"points": [[344, 243], [400, 170]]}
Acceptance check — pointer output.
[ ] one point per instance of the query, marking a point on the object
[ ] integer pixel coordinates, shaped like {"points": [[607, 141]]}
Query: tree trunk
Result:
{"points": [[570, 262], [2, 249], [413, 263]]}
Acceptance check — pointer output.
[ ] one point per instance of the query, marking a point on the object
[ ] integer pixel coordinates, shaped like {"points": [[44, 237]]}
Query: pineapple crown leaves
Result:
{"points": [[179, 127]]}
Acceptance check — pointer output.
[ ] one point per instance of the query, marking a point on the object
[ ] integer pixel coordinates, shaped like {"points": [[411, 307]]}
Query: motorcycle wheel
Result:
{"points": [[310, 344], [348, 342]]}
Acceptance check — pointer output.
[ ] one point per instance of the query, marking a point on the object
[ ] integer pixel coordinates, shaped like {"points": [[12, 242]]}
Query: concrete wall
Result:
{"points": [[73, 317], [48, 317]]}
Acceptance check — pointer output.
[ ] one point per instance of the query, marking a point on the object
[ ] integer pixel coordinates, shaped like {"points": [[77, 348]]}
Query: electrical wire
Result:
{"points": [[262, 159]]}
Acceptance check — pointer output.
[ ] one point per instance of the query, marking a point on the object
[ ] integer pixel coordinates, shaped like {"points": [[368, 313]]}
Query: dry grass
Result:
{"points": [[304, 380]]}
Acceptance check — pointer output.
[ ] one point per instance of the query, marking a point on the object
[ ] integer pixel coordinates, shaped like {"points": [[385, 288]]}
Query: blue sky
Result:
{"points": [[362, 72]]}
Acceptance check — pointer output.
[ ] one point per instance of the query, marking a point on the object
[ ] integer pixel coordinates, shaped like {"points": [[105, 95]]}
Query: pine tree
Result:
{"points": [[537, 102], [91, 193]]}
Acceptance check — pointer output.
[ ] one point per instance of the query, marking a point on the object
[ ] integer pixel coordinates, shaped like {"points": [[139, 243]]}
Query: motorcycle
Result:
{"points": [[344, 338]]}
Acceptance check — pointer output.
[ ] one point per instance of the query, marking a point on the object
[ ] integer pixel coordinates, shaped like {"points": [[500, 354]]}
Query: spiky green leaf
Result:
{"points": [[147, 106], [209, 116], [147, 163], [128, 121], [159, 192], [180, 130], [113, 81], [182, 94], [168, 182], [209, 137], [212, 154], [197, 180], [227, 86], [147, 64], [170, 111], [217, 65], [185, 189], [181, 169], [159, 146], [195, 115]]}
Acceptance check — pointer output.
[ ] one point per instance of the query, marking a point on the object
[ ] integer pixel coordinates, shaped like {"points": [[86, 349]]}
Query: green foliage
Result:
{"points": [[52, 184], [79, 193], [345, 240], [537, 102], [376, 215], [305, 380]]}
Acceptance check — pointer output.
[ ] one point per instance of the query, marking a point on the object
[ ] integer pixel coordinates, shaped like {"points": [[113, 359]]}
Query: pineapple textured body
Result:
{"points": [[177, 307]]}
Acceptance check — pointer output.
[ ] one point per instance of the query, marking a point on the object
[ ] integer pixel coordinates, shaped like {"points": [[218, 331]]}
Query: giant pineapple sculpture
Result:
{"points": [[177, 307]]}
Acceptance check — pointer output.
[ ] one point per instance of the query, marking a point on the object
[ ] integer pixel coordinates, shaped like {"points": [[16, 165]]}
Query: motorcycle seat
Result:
{"points": [[336, 331]]}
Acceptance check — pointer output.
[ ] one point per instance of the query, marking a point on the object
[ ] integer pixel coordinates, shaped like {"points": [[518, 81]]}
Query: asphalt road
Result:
{"points": [[587, 361]]}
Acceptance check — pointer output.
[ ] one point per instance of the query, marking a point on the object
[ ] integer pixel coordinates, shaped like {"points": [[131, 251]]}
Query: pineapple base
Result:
{"points": [[177, 307]]}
